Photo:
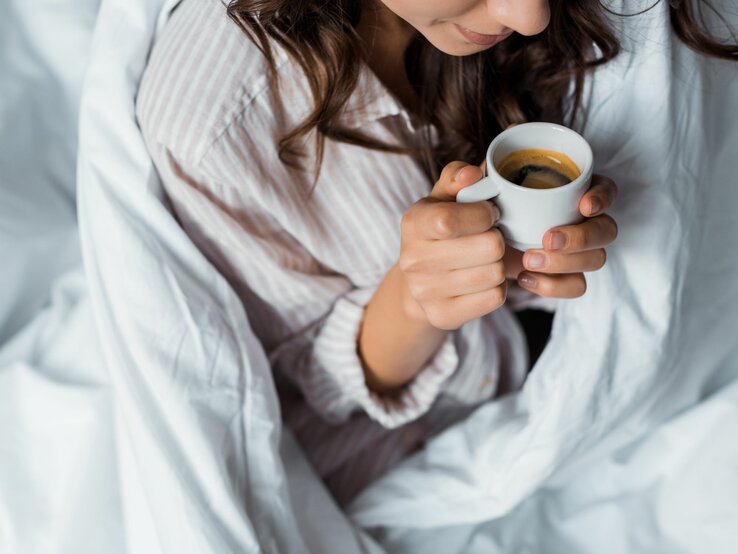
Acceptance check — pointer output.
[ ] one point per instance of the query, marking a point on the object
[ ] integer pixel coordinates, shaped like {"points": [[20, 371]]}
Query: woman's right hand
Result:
{"points": [[450, 256]]}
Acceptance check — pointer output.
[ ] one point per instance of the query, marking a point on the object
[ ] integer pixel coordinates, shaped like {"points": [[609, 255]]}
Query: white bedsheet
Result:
{"points": [[58, 472], [654, 336], [109, 443], [137, 411]]}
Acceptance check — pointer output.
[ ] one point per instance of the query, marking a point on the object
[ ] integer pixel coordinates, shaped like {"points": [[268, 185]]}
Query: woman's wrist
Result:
{"points": [[396, 340], [411, 307]]}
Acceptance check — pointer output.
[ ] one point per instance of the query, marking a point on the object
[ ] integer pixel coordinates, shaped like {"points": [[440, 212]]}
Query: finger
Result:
{"points": [[458, 282], [434, 220], [599, 197], [551, 262], [454, 177], [454, 312], [593, 233], [471, 251], [570, 285], [439, 256]]}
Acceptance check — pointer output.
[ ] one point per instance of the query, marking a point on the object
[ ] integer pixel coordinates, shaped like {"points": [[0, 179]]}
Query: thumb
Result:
{"points": [[454, 177]]}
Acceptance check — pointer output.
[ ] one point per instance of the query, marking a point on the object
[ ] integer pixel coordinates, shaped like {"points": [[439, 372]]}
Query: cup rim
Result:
{"points": [[585, 174]]}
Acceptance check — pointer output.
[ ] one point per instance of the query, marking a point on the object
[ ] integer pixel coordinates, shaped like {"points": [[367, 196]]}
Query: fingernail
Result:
{"points": [[557, 241], [458, 173], [535, 260], [527, 281], [595, 205]]}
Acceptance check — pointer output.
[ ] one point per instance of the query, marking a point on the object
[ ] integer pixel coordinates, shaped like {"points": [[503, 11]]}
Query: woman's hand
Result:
{"points": [[557, 270], [450, 256]]}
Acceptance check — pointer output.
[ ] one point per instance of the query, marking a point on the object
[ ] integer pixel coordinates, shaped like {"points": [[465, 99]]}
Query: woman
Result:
{"points": [[310, 149]]}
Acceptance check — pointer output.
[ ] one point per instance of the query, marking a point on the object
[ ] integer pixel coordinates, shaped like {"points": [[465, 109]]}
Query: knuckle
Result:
{"points": [[500, 241], [486, 277], [477, 279], [498, 296], [495, 244], [445, 222], [421, 291], [607, 228], [408, 221], [439, 318], [498, 273], [577, 238], [449, 172], [410, 262], [450, 169]]}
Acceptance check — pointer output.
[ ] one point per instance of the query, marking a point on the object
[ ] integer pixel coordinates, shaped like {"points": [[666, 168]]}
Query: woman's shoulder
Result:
{"points": [[203, 72]]}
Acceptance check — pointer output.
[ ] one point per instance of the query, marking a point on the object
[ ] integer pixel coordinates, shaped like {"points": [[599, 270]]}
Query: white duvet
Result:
{"points": [[138, 412]]}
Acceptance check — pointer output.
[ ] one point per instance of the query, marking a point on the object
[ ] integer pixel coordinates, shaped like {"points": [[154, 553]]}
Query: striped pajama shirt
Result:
{"points": [[305, 262]]}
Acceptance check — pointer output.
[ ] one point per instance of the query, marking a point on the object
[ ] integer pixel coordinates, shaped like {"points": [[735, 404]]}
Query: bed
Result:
{"points": [[137, 409]]}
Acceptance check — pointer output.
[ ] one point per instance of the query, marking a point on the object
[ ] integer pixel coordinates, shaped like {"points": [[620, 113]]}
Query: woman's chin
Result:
{"points": [[455, 47]]}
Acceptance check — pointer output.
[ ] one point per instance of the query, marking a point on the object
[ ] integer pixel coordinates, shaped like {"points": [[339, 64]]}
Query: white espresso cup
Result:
{"points": [[527, 213]]}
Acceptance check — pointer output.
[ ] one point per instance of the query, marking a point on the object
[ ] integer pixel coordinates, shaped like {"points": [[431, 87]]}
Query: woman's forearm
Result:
{"points": [[395, 340]]}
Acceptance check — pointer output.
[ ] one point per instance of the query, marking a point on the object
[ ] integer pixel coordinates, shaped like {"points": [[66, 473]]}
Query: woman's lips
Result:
{"points": [[479, 38]]}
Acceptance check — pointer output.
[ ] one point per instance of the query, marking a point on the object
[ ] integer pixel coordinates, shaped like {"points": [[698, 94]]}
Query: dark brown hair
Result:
{"points": [[521, 79]]}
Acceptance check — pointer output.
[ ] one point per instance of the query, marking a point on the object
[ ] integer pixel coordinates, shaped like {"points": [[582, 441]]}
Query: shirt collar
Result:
{"points": [[370, 100]]}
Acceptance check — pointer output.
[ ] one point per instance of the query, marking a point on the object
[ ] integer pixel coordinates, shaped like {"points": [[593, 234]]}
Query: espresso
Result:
{"points": [[537, 168]]}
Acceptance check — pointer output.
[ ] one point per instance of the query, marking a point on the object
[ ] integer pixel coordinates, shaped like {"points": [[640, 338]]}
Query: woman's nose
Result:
{"points": [[526, 17]]}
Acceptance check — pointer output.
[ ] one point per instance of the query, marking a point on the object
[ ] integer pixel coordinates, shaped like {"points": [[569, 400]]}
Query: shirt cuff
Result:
{"points": [[342, 388]]}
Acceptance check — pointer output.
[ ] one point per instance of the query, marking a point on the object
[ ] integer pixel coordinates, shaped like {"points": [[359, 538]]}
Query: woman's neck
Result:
{"points": [[386, 37]]}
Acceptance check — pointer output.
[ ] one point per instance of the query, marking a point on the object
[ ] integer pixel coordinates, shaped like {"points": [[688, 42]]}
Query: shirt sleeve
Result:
{"points": [[308, 317], [325, 364]]}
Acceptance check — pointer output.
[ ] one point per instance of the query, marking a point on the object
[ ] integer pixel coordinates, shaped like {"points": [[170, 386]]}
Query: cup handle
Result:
{"points": [[484, 189]]}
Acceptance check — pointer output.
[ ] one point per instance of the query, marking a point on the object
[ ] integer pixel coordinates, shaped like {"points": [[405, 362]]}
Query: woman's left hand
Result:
{"points": [[558, 269]]}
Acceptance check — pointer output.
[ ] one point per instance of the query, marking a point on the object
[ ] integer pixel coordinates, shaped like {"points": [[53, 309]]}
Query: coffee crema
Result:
{"points": [[537, 168]]}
